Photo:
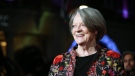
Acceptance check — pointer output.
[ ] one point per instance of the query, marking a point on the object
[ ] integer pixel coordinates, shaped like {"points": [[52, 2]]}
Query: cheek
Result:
{"points": [[125, 64], [90, 35], [72, 32], [132, 63]]}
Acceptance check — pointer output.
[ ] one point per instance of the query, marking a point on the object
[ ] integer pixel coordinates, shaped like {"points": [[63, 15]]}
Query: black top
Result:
{"points": [[83, 65]]}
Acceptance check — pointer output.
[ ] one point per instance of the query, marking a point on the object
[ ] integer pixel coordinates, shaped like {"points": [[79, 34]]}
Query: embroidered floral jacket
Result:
{"points": [[106, 63]]}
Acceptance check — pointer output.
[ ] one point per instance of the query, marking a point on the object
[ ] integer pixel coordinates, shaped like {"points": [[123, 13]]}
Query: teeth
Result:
{"points": [[79, 35]]}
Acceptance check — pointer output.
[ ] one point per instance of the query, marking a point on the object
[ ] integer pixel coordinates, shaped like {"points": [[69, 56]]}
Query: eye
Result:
{"points": [[73, 26], [131, 60], [83, 24], [124, 61]]}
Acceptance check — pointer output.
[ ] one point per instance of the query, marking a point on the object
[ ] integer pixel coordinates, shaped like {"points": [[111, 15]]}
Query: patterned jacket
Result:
{"points": [[106, 63]]}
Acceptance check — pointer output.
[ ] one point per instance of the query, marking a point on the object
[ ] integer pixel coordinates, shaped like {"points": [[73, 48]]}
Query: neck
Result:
{"points": [[128, 73], [86, 50]]}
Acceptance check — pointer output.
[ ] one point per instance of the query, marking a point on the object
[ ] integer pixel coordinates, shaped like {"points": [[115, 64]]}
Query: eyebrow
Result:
{"points": [[77, 23]]}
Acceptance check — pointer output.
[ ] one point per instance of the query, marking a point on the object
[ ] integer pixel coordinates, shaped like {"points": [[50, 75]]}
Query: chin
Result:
{"points": [[80, 43], [128, 69]]}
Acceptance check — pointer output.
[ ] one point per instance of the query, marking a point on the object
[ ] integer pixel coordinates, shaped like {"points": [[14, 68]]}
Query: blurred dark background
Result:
{"points": [[33, 32]]}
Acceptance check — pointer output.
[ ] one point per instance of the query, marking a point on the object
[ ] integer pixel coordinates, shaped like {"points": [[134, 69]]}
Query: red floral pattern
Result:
{"points": [[116, 55], [61, 68], [57, 59], [110, 53], [103, 72], [113, 54], [103, 62]]}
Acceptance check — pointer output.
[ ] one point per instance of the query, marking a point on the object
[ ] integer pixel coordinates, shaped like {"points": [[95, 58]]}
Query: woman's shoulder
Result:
{"points": [[113, 54], [110, 53], [113, 60], [66, 54], [59, 58]]}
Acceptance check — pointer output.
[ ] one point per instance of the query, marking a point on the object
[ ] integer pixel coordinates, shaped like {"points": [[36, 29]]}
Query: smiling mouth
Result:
{"points": [[79, 35]]}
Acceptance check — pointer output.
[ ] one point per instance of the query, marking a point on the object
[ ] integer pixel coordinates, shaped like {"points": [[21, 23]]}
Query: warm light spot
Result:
{"points": [[3, 43]]}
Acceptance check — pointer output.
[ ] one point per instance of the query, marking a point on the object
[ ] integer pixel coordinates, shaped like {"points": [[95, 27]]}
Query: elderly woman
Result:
{"points": [[88, 58]]}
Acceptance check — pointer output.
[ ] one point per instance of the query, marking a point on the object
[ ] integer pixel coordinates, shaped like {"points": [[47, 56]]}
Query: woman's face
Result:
{"points": [[80, 32]]}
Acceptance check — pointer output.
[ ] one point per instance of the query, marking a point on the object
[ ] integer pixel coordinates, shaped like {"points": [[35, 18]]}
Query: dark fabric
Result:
{"points": [[83, 64], [128, 73]]}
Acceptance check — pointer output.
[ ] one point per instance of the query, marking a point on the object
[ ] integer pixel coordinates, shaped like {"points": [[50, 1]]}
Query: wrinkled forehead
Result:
{"points": [[77, 19]]}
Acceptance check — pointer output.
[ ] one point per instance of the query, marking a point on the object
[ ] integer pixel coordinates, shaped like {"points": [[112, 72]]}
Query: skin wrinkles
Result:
{"points": [[85, 39]]}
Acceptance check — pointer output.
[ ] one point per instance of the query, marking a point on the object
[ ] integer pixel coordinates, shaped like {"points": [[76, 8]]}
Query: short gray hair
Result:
{"points": [[93, 20]]}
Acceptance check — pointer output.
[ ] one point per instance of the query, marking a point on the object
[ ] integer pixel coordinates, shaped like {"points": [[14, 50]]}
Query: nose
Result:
{"points": [[78, 28], [128, 63]]}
